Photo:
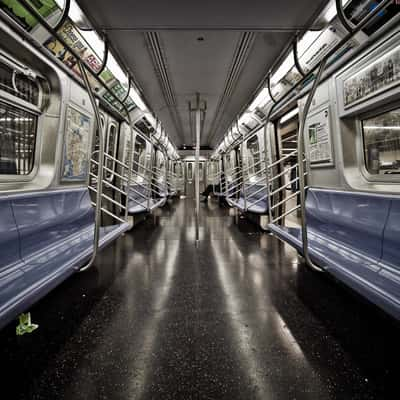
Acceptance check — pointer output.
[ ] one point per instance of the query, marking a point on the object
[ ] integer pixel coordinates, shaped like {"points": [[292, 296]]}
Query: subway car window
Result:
{"points": [[111, 148], [18, 129], [253, 156], [19, 85], [356, 10], [382, 143], [139, 156]]}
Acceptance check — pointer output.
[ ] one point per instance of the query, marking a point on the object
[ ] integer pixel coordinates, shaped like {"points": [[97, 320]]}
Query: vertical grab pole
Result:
{"points": [[300, 157], [266, 144], [243, 168], [99, 193], [130, 161], [197, 169]]}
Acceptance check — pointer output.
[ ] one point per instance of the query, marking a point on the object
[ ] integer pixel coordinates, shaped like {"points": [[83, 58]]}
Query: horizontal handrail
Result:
{"points": [[286, 170], [286, 184], [109, 184], [256, 192], [230, 194], [286, 199], [110, 199], [257, 201], [253, 165], [260, 179], [109, 213], [285, 214], [110, 170], [289, 138], [131, 189], [282, 159]]}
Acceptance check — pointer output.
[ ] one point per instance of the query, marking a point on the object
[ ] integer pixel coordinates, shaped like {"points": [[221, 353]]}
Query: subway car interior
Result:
{"points": [[199, 200]]}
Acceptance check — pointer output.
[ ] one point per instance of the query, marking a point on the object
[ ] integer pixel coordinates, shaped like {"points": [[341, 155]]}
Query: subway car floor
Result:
{"points": [[238, 317]]}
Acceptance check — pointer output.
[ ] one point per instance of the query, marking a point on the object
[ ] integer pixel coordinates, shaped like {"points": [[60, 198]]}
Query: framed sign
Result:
{"points": [[75, 166], [318, 131], [75, 40], [380, 75]]}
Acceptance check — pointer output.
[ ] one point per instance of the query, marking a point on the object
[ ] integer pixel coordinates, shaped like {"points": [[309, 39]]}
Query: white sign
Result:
{"points": [[319, 138]]}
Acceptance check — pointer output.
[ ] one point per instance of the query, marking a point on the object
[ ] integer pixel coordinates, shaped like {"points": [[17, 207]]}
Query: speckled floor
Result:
{"points": [[239, 317]]}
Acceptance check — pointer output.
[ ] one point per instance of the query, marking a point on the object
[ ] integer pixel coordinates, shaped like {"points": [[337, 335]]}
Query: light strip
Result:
{"points": [[389, 128], [289, 115], [261, 100], [134, 95], [331, 11]]}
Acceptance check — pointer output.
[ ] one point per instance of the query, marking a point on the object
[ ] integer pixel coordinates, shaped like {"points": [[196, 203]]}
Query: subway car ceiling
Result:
{"points": [[224, 51], [220, 49]]}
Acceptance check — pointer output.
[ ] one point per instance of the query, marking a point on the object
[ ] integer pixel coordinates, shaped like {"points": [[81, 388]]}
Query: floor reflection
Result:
{"points": [[238, 317]]}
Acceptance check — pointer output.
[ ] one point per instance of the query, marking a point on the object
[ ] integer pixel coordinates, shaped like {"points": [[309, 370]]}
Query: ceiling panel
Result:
{"points": [[172, 60], [205, 14]]}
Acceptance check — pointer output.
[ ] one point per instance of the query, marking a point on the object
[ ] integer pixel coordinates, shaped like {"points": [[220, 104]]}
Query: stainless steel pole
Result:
{"points": [[197, 169]]}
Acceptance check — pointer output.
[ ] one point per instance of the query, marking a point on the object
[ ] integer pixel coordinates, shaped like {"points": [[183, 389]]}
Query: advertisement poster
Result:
{"points": [[23, 17], [76, 146], [319, 138], [73, 38], [381, 75], [120, 92]]}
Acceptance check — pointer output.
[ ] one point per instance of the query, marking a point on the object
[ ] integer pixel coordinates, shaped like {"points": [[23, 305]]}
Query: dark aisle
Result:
{"points": [[237, 318]]}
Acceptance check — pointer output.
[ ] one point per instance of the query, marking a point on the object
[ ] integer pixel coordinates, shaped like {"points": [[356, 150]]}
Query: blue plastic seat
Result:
{"points": [[256, 200], [50, 236], [356, 237], [139, 201]]}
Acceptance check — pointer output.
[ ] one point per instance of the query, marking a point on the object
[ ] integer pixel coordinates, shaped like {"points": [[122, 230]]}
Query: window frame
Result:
{"points": [[6, 178], [362, 162], [26, 106], [111, 163], [254, 170]]}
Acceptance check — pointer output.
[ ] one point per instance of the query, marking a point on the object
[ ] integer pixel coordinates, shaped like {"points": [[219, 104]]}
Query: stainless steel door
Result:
{"points": [[190, 176]]}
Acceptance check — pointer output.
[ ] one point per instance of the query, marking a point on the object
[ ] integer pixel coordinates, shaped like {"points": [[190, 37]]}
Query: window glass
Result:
{"points": [[111, 148], [18, 85], [160, 164], [253, 156], [382, 143], [190, 171], [356, 10], [140, 156], [17, 140]]}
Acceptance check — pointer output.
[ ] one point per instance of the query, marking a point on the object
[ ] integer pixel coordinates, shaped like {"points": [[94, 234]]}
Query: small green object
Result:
{"points": [[25, 325]]}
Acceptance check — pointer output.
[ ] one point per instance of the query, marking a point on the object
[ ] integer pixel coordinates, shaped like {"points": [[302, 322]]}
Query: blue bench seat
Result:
{"points": [[356, 237], [50, 237], [139, 201], [256, 200]]}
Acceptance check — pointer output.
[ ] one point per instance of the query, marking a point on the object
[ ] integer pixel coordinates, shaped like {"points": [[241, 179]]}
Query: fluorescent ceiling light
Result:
{"points": [[261, 100], [389, 128], [289, 115], [75, 13], [306, 41], [95, 42], [116, 70], [151, 119], [330, 13], [283, 69], [245, 118]]}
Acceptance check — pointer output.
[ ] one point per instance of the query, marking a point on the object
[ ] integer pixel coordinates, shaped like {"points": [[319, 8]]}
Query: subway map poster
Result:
{"points": [[76, 146]]}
